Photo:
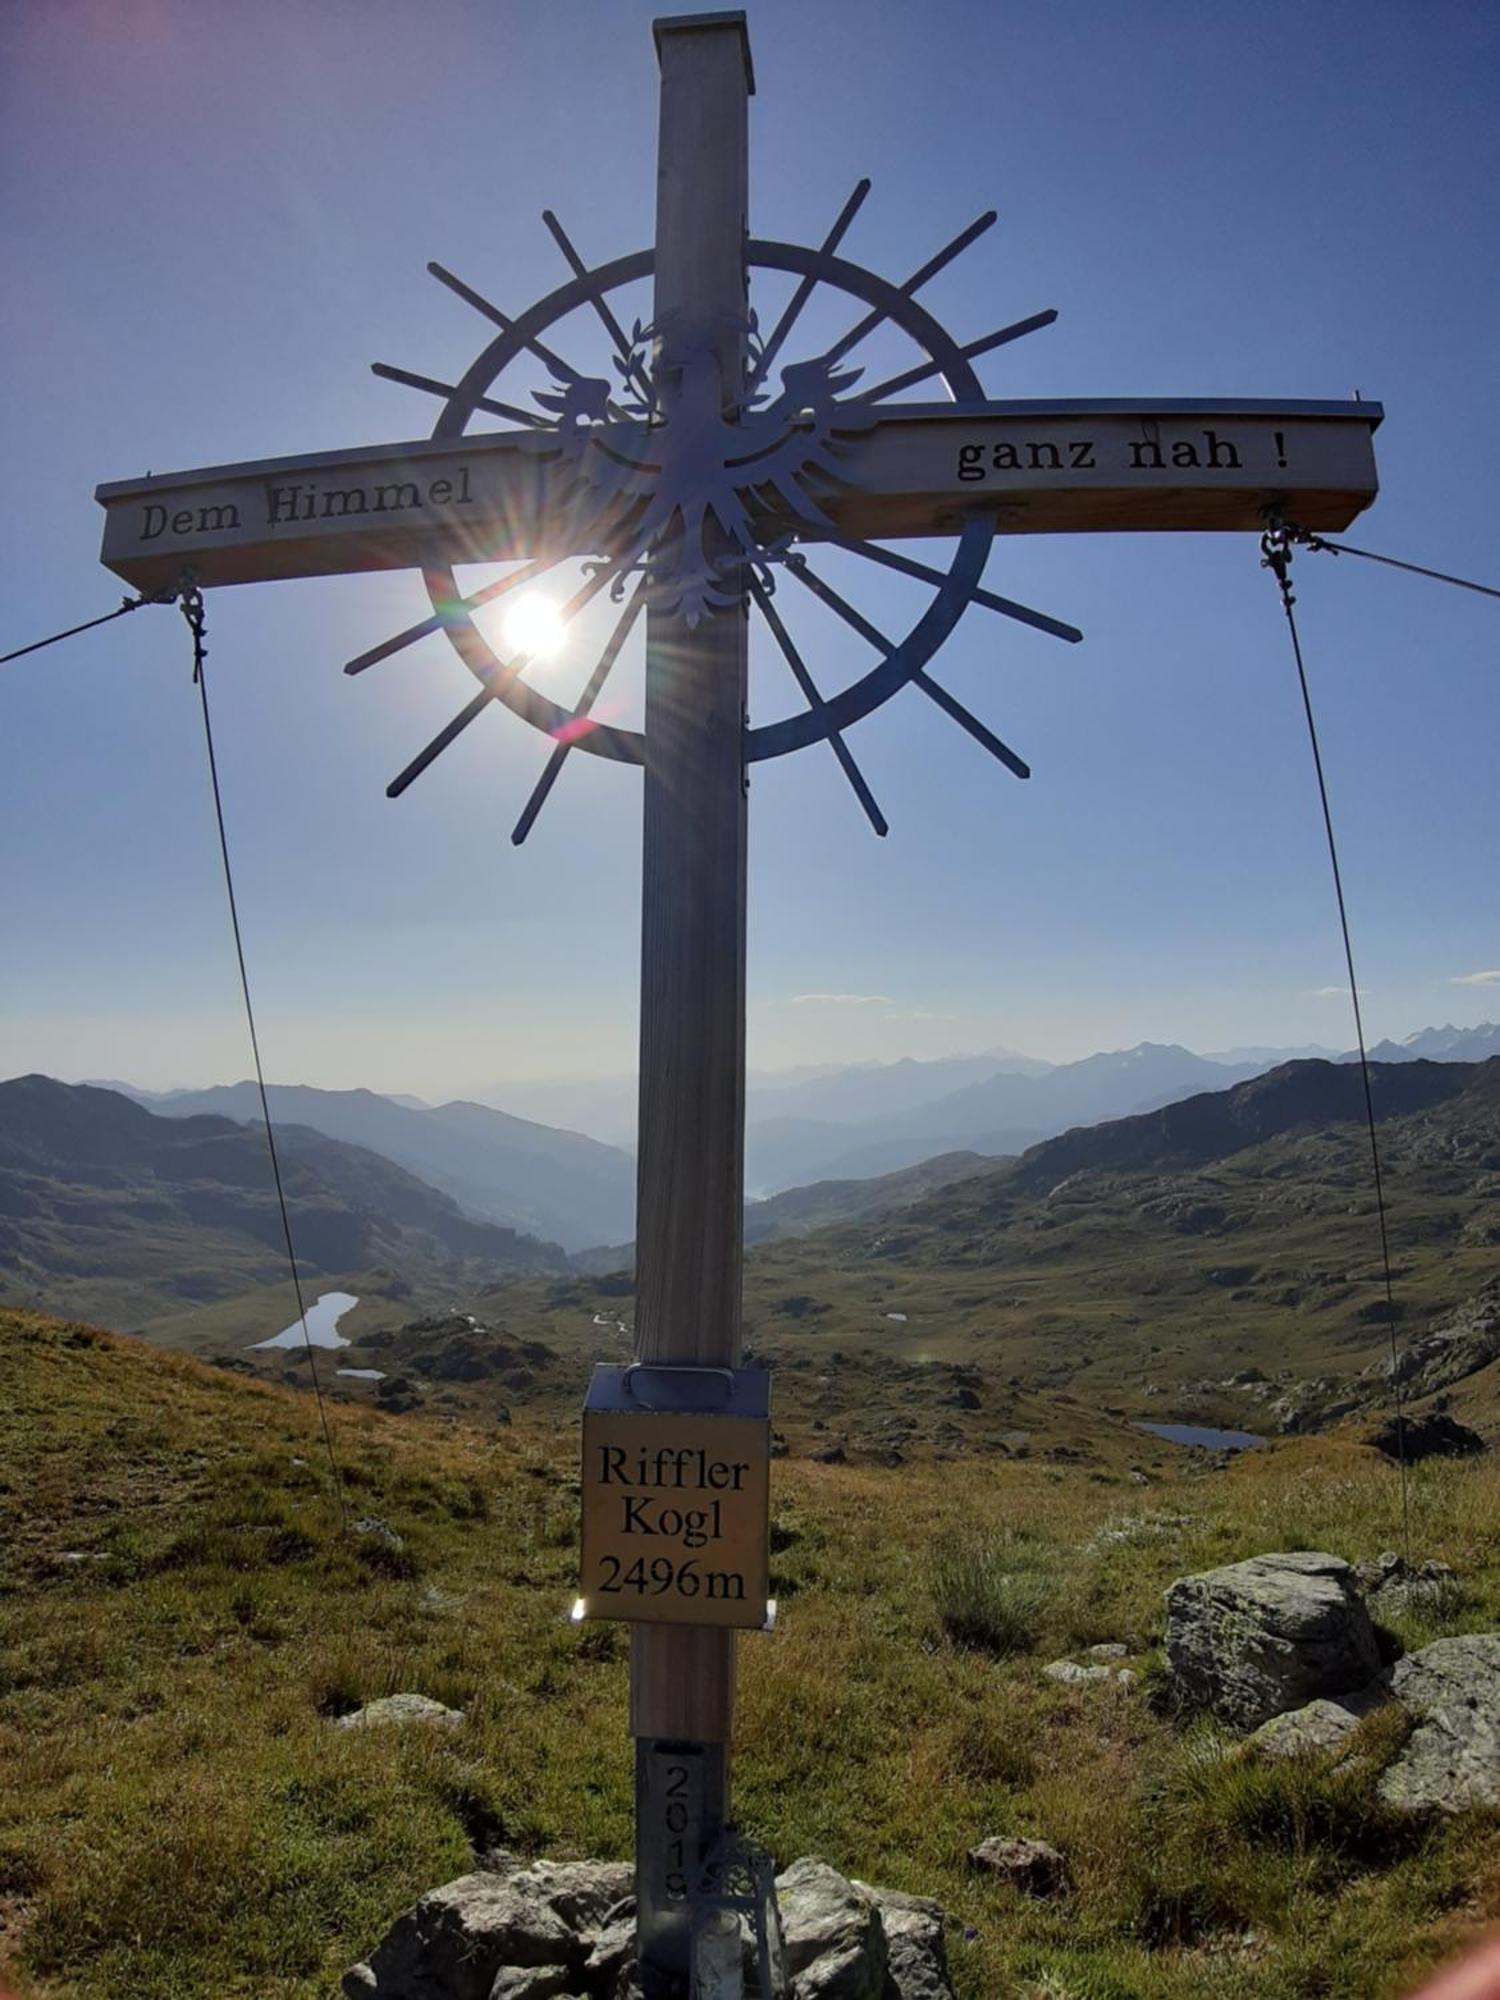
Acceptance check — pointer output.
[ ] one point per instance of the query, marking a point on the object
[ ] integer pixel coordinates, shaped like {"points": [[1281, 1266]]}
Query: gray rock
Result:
{"points": [[613, 1946], [373, 1529], [532, 1982], [1451, 1761], [1257, 1638], [1110, 1649], [398, 1708], [916, 1949], [1072, 1675], [1321, 1726], [1391, 1584], [1030, 1866], [456, 1941], [835, 1944]]}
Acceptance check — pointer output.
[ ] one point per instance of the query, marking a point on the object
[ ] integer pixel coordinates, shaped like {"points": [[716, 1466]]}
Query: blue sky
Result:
{"points": [[215, 217]]}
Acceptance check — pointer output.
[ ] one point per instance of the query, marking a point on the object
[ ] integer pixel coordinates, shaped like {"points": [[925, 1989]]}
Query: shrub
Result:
{"points": [[989, 1596]]}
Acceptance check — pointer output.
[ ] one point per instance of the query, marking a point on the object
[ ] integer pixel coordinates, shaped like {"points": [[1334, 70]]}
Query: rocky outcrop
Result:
{"points": [[566, 1931], [1451, 1760], [1257, 1638], [1468, 1340]]}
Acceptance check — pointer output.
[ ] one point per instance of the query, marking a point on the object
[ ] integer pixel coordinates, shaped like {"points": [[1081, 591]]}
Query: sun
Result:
{"points": [[534, 626]]}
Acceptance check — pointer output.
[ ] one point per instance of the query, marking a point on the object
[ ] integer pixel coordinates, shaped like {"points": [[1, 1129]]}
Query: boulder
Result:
{"points": [[835, 1944], [1434, 1434], [393, 1709], [1030, 1866], [1257, 1638], [1451, 1760], [457, 1941]]}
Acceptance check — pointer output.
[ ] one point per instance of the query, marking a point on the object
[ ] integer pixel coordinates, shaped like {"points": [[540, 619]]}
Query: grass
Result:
{"points": [[990, 1594], [180, 1619]]}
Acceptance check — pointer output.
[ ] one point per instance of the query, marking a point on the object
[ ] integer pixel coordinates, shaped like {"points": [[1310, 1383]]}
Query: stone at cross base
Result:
{"points": [[551, 1930]]}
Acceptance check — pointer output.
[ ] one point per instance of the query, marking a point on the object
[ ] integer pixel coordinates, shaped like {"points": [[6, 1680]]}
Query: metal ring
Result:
{"points": [[794, 732]]}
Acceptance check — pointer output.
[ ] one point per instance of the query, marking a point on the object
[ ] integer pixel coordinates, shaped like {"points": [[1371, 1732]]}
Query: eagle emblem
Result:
{"points": [[691, 486]]}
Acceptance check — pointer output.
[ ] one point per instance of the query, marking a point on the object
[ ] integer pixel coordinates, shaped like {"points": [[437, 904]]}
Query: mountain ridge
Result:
{"points": [[126, 1213]]}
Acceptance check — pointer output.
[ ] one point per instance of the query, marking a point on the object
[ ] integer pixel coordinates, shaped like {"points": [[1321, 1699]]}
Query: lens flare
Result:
{"points": [[534, 626]]}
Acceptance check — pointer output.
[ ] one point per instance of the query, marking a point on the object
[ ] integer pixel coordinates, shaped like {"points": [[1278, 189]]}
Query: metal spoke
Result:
{"points": [[496, 682], [800, 569], [915, 282], [1006, 606], [528, 574], [804, 291], [816, 702], [951, 705], [1016, 331], [600, 304], [448, 391], [586, 701], [546, 355], [439, 743]]}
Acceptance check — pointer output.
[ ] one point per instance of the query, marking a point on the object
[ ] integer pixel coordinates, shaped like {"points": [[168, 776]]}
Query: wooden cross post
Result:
{"points": [[694, 471], [690, 1186]]}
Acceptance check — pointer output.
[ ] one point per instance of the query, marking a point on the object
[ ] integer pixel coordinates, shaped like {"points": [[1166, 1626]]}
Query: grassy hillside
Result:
{"points": [[182, 1617]]}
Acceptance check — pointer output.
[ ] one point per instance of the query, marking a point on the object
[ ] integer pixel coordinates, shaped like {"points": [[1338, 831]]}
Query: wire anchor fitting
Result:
{"points": [[190, 604], [1276, 551]]}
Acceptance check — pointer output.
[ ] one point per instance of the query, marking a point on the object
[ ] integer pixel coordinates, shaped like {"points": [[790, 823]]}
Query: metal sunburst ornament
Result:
{"points": [[695, 487]]}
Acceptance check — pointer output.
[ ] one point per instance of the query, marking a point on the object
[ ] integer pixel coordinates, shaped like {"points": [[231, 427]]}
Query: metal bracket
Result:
{"points": [[737, 1879], [674, 1386]]}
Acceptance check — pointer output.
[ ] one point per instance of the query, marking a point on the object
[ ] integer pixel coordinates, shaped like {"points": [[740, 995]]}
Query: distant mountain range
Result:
{"points": [[824, 1124], [558, 1185], [1446, 1044], [116, 1214]]}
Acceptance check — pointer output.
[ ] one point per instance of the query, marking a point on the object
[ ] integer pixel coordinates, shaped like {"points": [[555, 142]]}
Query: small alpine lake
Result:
{"points": [[322, 1324], [1203, 1437]]}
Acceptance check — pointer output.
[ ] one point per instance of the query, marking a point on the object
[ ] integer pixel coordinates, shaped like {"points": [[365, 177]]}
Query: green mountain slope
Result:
{"points": [[1144, 1263], [108, 1210]]}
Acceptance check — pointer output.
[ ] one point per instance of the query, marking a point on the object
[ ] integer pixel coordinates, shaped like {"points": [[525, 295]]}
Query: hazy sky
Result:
{"points": [[217, 215]]}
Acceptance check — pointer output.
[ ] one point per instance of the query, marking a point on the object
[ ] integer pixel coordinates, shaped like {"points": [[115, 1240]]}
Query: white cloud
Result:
{"points": [[841, 1000], [1477, 978], [1330, 993]]}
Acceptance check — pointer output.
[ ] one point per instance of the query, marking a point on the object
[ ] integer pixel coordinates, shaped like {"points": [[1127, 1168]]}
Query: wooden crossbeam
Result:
{"points": [[918, 471]]}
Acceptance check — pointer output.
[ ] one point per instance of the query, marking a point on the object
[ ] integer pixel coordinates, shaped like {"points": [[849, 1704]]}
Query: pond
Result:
{"points": [[322, 1322], [362, 1374], [1204, 1437]]}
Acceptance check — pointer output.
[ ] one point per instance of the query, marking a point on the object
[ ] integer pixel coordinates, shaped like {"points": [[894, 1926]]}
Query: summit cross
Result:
{"points": [[691, 486]]}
